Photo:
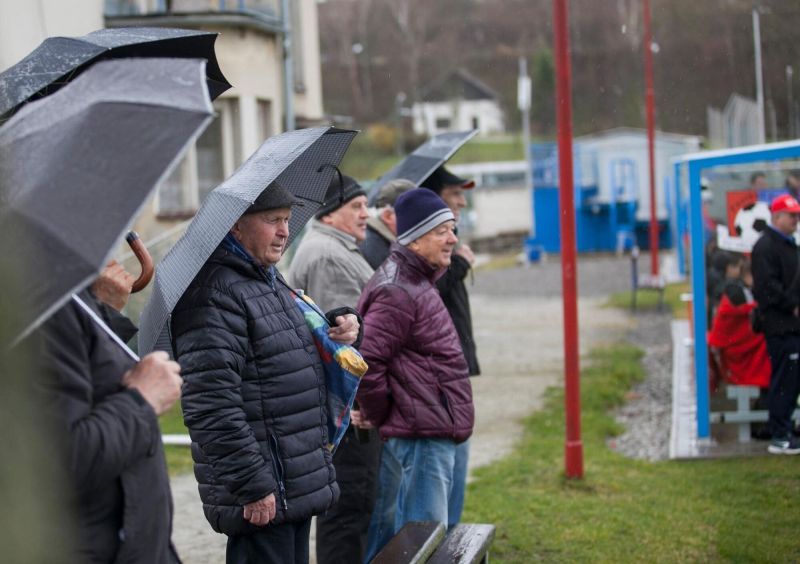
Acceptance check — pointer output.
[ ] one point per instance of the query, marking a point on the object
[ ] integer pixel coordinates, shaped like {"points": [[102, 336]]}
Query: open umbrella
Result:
{"points": [[302, 161], [76, 166], [57, 60], [426, 158]]}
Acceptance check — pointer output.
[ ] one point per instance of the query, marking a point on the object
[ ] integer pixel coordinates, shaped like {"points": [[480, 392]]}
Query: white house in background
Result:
{"points": [[457, 102], [249, 51], [734, 126]]}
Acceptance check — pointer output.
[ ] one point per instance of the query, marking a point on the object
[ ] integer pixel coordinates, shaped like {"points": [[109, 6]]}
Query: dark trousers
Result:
{"points": [[274, 544], [784, 385], [342, 530]]}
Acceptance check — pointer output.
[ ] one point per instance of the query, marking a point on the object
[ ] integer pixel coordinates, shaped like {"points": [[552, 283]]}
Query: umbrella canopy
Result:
{"points": [[426, 158], [302, 161], [76, 166], [57, 60]]}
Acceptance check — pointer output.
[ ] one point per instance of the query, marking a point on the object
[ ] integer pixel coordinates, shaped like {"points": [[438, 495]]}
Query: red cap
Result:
{"points": [[785, 203]]}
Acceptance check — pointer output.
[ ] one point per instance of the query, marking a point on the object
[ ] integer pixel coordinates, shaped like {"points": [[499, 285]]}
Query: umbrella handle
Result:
{"points": [[145, 260]]}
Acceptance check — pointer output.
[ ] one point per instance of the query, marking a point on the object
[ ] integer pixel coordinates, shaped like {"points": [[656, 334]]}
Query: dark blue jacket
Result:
{"points": [[253, 396]]}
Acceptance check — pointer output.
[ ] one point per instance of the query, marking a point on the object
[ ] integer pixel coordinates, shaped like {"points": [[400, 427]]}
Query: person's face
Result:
{"points": [[437, 245], [389, 218], [264, 234], [733, 270], [759, 183], [350, 218], [453, 196], [785, 222]]}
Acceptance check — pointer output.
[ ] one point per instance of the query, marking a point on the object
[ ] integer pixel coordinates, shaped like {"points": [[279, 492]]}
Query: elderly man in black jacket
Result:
{"points": [[104, 408], [254, 396], [776, 287]]}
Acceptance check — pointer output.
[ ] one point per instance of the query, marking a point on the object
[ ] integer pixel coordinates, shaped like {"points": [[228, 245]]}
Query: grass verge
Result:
{"points": [[741, 510], [179, 458], [648, 299]]}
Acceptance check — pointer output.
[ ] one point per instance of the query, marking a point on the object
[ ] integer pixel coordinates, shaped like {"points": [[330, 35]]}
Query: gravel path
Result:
{"points": [[518, 328], [647, 415]]}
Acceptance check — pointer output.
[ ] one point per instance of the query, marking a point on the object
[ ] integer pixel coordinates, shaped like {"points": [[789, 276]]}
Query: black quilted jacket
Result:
{"points": [[253, 396]]}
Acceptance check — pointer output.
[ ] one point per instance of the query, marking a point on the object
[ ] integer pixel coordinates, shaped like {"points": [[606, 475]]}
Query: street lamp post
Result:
{"points": [[573, 448], [651, 135], [790, 132], [759, 76]]}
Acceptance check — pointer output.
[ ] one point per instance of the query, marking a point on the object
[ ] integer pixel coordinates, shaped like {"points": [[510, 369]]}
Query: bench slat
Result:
{"points": [[413, 544], [465, 544]]}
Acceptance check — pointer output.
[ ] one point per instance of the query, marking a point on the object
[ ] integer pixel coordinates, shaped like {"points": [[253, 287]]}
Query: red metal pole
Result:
{"points": [[573, 449], [651, 135]]}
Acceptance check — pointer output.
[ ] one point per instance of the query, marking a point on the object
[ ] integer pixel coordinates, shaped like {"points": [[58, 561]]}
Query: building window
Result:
{"points": [[264, 119], [214, 157], [442, 123]]}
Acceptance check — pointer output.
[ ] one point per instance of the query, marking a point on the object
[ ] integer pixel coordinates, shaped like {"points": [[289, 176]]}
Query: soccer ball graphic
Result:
{"points": [[751, 221]]}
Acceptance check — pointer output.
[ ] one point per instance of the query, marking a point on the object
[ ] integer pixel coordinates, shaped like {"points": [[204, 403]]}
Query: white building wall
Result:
{"points": [[633, 146], [23, 25]]}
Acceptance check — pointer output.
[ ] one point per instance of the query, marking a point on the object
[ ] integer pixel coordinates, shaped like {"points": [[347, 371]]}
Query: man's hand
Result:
{"points": [[260, 512], [113, 286], [358, 420], [466, 253], [158, 379], [346, 329]]}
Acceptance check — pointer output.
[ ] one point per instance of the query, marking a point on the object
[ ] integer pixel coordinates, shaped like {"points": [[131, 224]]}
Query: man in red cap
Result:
{"points": [[776, 287]]}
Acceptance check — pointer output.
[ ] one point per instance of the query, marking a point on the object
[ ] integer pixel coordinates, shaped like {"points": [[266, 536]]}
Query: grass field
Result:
{"points": [[366, 162], [736, 510]]}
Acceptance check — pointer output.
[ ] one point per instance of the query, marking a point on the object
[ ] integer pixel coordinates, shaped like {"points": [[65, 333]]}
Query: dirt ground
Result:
{"points": [[517, 321]]}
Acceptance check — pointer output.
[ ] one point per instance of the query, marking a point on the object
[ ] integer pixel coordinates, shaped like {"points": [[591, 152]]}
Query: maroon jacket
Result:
{"points": [[417, 385]]}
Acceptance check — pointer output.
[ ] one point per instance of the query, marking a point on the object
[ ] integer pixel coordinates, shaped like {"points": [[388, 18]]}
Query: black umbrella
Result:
{"points": [[426, 158], [57, 60], [302, 161], [76, 166]]}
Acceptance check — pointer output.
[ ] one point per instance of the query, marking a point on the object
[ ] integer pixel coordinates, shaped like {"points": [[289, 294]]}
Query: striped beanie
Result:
{"points": [[418, 211]]}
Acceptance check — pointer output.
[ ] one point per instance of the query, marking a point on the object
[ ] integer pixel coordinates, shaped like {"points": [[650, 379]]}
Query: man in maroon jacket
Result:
{"points": [[417, 390]]}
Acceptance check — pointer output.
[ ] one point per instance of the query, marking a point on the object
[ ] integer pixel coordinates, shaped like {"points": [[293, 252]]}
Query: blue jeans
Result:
{"points": [[456, 504], [415, 483]]}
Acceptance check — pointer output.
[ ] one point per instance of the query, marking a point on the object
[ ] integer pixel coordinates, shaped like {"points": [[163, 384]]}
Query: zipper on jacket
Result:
{"points": [[446, 404], [277, 468]]}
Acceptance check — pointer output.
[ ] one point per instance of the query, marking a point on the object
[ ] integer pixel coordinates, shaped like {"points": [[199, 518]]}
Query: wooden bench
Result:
{"points": [[743, 415], [429, 542]]}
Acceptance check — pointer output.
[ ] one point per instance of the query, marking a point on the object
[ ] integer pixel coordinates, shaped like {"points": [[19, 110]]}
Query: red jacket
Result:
{"points": [[417, 385], [744, 354]]}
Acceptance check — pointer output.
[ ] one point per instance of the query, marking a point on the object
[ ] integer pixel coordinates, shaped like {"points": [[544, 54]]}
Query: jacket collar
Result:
{"points": [[381, 229], [233, 255], [348, 240], [417, 263], [780, 236]]}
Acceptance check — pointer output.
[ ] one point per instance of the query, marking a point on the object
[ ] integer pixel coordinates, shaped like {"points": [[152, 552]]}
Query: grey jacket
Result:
{"points": [[325, 255]]}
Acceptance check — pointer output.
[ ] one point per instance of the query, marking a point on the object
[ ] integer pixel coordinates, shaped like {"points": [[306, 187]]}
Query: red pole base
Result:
{"points": [[573, 454]]}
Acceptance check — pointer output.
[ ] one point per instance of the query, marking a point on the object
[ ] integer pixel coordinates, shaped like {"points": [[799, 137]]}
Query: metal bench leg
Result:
{"points": [[743, 405]]}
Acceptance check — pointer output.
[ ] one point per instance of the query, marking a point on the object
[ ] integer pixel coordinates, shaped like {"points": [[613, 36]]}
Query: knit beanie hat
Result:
{"points": [[418, 211], [341, 190]]}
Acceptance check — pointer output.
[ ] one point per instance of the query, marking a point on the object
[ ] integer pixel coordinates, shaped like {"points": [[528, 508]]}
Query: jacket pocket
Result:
{"points": [[277, 470]]}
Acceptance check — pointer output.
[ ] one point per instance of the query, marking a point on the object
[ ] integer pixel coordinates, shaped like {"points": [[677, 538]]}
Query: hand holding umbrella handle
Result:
{"points": [[145, 260]]}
